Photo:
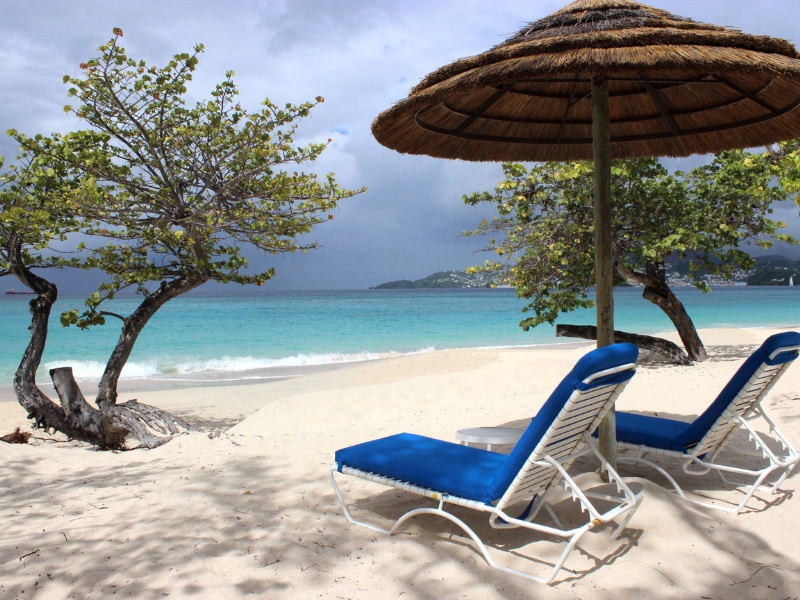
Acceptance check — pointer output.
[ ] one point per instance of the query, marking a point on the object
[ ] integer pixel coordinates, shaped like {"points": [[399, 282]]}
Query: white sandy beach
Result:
{"points": [[251, 512]]}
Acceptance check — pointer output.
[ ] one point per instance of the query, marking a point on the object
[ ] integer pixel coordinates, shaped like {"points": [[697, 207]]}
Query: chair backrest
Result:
{"points": [[576, 407], [754, 379]]}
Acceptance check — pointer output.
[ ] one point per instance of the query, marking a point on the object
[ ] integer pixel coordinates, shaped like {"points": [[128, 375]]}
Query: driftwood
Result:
{"points": [[665, 348]]}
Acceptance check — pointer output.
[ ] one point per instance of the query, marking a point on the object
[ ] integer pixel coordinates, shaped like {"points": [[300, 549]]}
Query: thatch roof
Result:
{"points": [[678, 87]]}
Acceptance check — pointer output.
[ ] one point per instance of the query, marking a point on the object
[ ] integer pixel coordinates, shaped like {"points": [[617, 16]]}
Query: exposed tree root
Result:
{"points": [[152, 426], [159, 418]]}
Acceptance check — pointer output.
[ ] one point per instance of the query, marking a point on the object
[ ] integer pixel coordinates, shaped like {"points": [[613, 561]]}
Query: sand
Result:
{"points": [[251, 511]]}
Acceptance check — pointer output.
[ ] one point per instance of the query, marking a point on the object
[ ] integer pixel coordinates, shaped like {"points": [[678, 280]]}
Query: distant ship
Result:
{"points": [[11, 291], [791, 281]]}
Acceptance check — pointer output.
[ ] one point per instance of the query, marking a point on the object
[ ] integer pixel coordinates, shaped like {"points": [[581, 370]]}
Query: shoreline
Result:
{"points": [[164, 382], [266, 375], [219, 404]]}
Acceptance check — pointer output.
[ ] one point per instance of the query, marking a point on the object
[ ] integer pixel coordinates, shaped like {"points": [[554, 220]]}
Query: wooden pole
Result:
{"points": [[601, 125]]}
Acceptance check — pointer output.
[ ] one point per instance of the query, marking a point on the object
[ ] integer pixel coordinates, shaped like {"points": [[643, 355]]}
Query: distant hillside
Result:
{"points": [[442, 279], [775, 270], [769, 270]]}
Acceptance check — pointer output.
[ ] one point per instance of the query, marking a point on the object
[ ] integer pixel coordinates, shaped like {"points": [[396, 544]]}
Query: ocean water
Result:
{"points": [[256, 334]]}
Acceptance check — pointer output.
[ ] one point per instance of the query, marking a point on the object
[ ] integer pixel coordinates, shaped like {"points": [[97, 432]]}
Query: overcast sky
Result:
{"points": [[362, 56]]}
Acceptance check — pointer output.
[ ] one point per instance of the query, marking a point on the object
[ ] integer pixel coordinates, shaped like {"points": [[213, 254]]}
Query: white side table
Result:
{"points": [[489, 435]]}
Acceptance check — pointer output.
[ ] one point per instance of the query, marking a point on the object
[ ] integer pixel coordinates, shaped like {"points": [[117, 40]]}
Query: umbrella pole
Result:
{"points": [[601, 122]]}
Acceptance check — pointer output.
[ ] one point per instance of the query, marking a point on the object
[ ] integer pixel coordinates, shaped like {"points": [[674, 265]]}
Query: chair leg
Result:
{"points": [[638, 459], [771, 487], [485, 551], [629, 496], [346, 511], [786, 473], [639, 498], [553, 516], [573, 540], [751, 489]]}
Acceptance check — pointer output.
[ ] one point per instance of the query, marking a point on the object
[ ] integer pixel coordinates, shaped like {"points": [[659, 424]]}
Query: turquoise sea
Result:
{"points": [[253, 334]]}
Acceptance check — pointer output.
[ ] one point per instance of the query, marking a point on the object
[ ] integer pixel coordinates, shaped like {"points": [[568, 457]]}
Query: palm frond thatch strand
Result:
{"points": [[678, 87]]}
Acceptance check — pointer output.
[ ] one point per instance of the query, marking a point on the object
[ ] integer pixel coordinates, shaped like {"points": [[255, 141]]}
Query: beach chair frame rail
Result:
{"points": [[743, 409], [544, 469]]}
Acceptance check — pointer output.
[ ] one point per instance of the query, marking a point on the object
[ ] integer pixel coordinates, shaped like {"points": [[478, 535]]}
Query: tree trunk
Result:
{"points": [[669, 303], [604, 254], [664, 347], [73, 421], [76, 418], [603, 247], [659, 293], [131, 328]]}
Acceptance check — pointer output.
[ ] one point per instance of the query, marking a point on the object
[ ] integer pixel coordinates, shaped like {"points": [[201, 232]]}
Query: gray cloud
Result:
{"points": [[361, 55]]}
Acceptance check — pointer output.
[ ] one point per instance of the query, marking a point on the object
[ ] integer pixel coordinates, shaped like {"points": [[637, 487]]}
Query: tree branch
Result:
{"points": [[104, 313]]}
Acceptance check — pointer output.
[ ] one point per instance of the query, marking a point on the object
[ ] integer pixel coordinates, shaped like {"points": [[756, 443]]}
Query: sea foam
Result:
{"points": [[90, 369], [93, 370]]}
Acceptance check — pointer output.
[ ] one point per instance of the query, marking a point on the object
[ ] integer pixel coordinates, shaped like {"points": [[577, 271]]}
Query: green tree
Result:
{"points": [[190, 186], [785, 159], [545, 229]]}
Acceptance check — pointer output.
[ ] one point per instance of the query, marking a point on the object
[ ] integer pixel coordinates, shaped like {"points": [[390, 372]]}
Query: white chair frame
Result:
{"points": [[545, 468], [744, 408]]}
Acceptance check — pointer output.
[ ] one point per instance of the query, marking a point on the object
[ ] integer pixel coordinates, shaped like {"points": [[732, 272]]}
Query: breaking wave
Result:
{"points": [[92, 370]]}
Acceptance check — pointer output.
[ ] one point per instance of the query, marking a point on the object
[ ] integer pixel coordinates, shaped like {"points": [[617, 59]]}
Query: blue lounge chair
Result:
{"points": [[490, 482], [698, 444]]}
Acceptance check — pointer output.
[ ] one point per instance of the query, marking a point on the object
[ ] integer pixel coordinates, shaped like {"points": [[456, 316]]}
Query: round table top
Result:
{"points": [[490, 435]]}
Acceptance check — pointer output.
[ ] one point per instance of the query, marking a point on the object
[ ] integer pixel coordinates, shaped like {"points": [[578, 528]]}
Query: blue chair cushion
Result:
{"points": [[690, 436], [667, 434], [470, 472], [443, 466], [655, 432]]}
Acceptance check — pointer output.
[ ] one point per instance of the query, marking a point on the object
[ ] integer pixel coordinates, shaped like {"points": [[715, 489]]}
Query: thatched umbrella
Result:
{"points": [[603, 79]]}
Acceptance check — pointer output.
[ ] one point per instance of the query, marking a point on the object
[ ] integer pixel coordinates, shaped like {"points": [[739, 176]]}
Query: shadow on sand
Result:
{"points": [[238, 516]]}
